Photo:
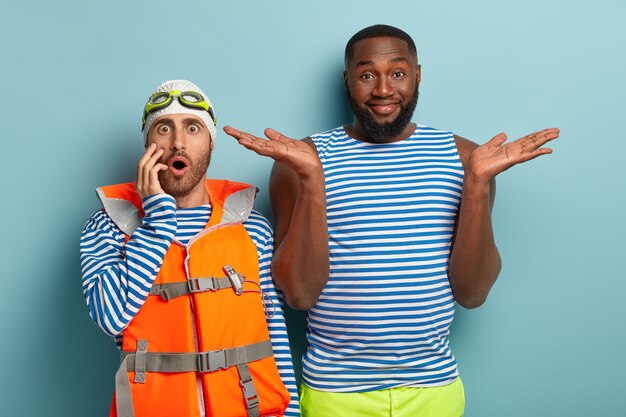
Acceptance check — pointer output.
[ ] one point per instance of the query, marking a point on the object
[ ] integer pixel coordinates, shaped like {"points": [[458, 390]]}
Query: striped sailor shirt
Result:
{"points": [[118, 275], [383, 319]]}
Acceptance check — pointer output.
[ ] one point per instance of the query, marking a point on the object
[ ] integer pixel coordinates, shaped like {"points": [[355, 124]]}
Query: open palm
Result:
{"points": [[494, 157], [296, 154]]}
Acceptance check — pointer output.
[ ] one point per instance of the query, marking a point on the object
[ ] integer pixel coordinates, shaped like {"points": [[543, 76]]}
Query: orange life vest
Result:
{"points": [[199, 344]]}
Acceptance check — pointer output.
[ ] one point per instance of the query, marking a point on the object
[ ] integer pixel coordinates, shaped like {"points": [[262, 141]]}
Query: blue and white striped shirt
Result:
{"points": [[383, 319], [118, 275]]}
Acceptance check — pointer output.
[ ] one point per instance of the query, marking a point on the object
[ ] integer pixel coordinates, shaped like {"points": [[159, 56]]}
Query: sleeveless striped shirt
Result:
{"points": [[383, 319]]}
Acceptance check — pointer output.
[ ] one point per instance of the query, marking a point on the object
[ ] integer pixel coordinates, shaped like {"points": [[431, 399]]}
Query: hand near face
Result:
{"points": [[494, 157], [295, 154], [148, 172]]}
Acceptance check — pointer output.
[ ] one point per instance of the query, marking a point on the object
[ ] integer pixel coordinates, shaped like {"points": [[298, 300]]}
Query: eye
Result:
{"points": [[398, 74], [164, 129], [366, 76], [193, 128]]}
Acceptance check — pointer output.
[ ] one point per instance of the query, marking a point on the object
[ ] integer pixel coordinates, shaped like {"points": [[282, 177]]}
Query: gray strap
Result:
{"points": [[250, 394], [190, 362], [191, 286], [123, 396], [200, 362], [140, 361]]}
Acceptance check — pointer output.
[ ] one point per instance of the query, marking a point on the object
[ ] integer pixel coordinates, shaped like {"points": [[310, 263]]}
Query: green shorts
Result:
{"points": [[444, 401]]}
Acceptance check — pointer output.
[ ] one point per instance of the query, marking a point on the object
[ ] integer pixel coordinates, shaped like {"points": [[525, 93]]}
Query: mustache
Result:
{"points": [[183, 154]]}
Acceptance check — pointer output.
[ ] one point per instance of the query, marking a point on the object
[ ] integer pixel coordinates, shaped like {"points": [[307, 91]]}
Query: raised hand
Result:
{"points": [[148, 172], [494, 157], [295, 154]]}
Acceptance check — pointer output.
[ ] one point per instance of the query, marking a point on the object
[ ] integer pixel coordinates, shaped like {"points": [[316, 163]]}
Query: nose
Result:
{"points": [[383, 87], [179, 142]]}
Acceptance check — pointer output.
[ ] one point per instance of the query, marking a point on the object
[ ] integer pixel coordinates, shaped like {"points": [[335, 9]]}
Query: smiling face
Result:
{"points": [[186, 143], [382, 79]]}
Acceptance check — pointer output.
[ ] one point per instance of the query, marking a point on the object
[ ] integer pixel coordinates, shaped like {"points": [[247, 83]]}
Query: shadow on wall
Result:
{"points": [[80, 359]]}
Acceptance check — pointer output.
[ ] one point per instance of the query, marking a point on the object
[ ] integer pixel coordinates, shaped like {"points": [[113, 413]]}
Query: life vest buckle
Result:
{"points": [[212, 360], [202, 285], [249, 393]]}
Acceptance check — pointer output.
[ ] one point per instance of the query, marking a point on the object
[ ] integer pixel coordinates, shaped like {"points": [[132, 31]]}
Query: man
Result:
{"points": [[176, 268], [408, 210]]}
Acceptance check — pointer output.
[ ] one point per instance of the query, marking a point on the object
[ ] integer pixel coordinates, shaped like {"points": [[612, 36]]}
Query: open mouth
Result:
{"points": [[178, 166]]}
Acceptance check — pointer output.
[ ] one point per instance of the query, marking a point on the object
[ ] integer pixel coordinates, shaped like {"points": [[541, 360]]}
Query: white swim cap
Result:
{"points": [[198, 106]]}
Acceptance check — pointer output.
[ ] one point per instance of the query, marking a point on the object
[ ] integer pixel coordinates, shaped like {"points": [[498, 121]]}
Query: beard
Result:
{"points": [[180, 186], [381, 132]]}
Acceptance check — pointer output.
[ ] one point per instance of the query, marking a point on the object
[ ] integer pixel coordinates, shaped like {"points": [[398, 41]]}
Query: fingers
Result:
{"points": [[247, 138], [232, 132], [243, 138], [497, 140], [534, 141], [147, 171], [277, 136], [140, 168], [533, 154], [274, 148], [148, 167], [142, 161], [155, 185]]}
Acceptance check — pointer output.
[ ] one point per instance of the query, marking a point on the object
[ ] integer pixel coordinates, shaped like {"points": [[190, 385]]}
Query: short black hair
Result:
{"points": [[379, 31]]}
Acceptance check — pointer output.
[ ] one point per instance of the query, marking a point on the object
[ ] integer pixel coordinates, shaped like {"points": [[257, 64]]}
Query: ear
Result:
{"points": [[345, 79], [418, 74]]}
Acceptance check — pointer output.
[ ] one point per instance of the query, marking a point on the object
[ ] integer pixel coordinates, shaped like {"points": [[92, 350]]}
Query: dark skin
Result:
{"points": [[300, 266], [381, 76]]}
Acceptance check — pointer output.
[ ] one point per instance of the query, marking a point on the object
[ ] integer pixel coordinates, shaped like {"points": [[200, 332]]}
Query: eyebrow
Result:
{"points": [[186, 121], [164, 121], [396, 59], [193, 120]]}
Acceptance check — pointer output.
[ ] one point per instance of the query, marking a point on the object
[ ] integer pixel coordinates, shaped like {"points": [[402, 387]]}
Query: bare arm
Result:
{"points": [[474, 260], [300, 266]]}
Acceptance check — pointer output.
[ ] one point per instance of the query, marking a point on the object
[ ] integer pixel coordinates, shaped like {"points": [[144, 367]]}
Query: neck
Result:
{"points": [[198, 196], [358, 132]]}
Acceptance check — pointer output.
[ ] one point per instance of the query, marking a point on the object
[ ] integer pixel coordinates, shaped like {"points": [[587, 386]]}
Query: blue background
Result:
{"points": [[551, 339]]}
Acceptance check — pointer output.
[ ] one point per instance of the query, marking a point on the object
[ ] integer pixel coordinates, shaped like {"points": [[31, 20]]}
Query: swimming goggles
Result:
{"points": [[190, 99]]}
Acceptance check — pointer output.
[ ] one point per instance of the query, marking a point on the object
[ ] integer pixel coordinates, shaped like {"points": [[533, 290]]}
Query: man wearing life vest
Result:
{"points": [[176, 267]]}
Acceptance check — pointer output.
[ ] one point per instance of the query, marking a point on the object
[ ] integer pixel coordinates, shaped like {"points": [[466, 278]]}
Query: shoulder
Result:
{"points": [[465, 148], [101, 221], [325, 135], [258, 227], [321, 141], [284, 179], [428, 134], [429, 130], [100, 227]]}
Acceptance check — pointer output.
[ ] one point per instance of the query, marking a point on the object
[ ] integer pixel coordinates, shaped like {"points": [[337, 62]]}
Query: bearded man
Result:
{"points": [[176, 267], [381, 226]]}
